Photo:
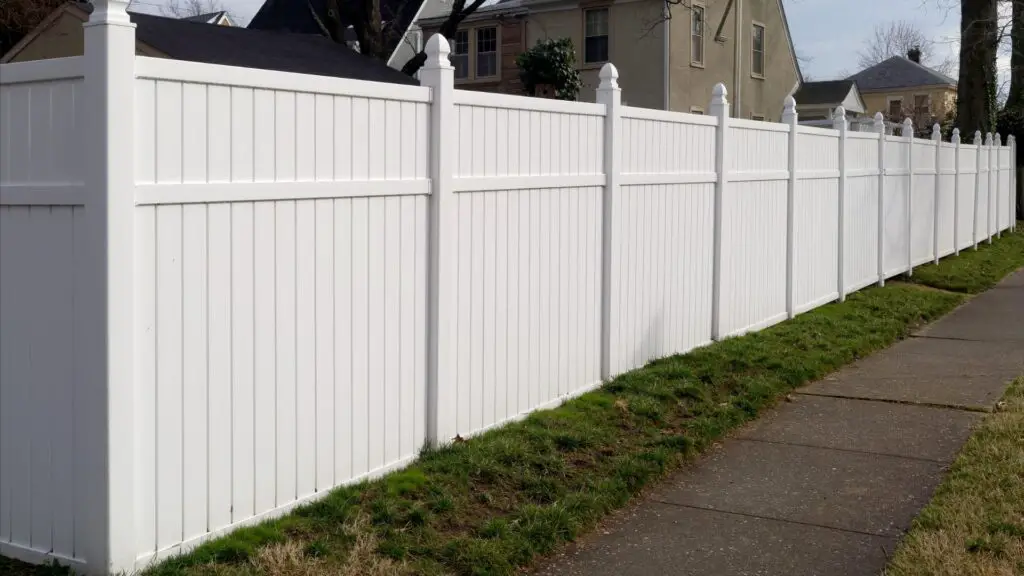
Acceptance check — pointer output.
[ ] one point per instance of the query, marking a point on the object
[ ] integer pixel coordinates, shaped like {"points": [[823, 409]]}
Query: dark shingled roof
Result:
{"points": [[281, 51], [828, 92], [297, 16], [898, 72]]}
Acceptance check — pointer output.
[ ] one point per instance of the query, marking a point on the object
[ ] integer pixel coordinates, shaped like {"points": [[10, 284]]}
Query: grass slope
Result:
{"points": [[976, 271], [496, 502], [975, 523]]}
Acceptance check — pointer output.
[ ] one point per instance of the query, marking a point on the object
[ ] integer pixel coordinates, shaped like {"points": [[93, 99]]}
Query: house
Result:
{"points": [[668, 56], [903, 88], [819, 100], [315, 17], [216, 18], [60, 35]]}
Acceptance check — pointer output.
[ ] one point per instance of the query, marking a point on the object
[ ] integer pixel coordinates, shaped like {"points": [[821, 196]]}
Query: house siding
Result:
{"points": [[635, 46], [943, 101], [63, 39], [691, 85]]}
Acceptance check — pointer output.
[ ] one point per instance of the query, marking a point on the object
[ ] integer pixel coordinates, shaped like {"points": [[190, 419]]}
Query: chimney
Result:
{"points": [[914, 54]]}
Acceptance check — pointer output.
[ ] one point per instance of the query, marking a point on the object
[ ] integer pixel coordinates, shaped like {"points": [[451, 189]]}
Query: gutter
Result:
{"points": [[412, 23], [737, 67], [665, 46]]}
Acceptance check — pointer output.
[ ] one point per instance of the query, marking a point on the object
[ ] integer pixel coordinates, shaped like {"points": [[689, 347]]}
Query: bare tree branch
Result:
{"points": [[898, 39]]}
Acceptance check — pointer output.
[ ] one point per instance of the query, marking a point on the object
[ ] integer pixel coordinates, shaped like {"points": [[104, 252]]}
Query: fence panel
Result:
{"points": [[754, 227], [663, 235], [44, 452], [946, 179], [816, 216], [529, 254], [923, 202], [967, 194], [281, 286], [896, 233], [983, 193], [861, 244], [1006, 191]]}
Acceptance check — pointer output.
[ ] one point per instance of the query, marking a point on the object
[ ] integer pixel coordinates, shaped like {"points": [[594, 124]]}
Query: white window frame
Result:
{"points": [[697, 110], [764, 50], [703, 37], [607, 34], [468, 54], [472, 76]]}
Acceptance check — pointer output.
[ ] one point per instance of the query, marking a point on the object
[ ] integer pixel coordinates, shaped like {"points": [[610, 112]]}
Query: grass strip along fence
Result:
{"points": [[496, 503]]}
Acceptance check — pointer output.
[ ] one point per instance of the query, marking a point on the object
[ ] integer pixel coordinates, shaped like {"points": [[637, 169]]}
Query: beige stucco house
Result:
{"points": [[902, 88], [668, 56]]}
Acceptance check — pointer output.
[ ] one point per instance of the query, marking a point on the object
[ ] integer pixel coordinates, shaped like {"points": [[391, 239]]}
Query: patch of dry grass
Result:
{"points": [[975, 523]]}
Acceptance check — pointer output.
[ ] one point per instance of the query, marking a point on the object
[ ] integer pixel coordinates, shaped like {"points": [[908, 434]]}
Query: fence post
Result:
{"points": [[839, 123], [719, 108], [439, 75], [977, 188], [956, 191], [937, 138], [1011, 141], [879, 127], [999, 186], [609, 94], [908, 133], [107, 361], [790, 118], [989, 187]]}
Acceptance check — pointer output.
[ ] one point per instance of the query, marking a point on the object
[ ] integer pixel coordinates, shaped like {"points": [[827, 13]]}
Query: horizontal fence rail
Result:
{"points": [[228, 291]]}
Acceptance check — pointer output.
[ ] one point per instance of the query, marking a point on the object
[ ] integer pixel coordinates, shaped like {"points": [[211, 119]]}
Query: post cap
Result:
{"points": [[988, 138], [789, 105], [956, 136], [999, 139], [719, 91], [110, 12], [977, 137], [936, 131], [437, 51], [609, 76], [840, 113]]}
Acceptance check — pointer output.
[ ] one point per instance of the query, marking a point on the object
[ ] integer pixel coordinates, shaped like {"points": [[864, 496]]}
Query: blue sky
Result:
{"points": [[829, 33]]}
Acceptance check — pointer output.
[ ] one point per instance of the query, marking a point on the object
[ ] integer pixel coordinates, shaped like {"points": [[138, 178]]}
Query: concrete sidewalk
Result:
{"points": [[825, 484]]}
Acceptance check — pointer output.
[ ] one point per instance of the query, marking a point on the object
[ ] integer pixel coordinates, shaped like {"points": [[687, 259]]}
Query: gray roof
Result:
{"points": [[898, 72], [828, 92], [282, 51]]}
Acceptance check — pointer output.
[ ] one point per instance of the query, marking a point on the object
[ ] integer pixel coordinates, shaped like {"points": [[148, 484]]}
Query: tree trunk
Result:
{"points": [[1016, 96], [976, 88]]}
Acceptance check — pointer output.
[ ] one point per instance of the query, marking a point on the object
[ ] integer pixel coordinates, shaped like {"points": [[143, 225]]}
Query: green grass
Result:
{"points": [[496, 503], [976, 271], [974, 525]]}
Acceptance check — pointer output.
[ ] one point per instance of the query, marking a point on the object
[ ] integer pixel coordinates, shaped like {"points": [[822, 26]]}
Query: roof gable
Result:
{"points": [[897, 73]]}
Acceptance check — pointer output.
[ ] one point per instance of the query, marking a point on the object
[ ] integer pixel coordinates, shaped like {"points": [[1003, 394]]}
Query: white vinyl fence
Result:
{"points": [[226, 291]]}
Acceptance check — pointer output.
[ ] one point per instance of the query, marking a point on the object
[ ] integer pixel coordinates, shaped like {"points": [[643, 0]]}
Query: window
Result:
{"points": [[757, 52], [595, 45], [486, 52], [696, 110], [922, 105], [697, 35], [895, 109], [460, 54]]}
